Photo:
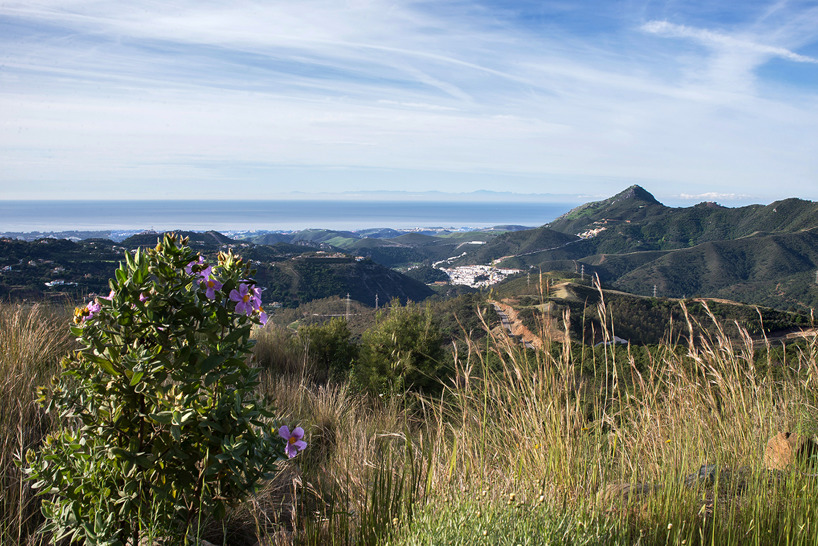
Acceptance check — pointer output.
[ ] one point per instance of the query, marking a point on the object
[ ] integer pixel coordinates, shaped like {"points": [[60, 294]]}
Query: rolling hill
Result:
{"points": [[637, 319], [290, 274]]}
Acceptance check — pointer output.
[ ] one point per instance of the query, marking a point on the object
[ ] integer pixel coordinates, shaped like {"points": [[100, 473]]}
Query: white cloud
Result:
{"points": [[205, 96], [714, 196], [718, 40]]}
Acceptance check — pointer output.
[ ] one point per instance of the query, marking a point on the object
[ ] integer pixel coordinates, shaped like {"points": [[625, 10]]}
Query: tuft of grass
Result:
{"points": [[364, 468], [33, 339], [279, 352]]}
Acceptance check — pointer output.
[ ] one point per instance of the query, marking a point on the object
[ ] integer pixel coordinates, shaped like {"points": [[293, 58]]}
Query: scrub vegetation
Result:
{"points": [[412, 439]]}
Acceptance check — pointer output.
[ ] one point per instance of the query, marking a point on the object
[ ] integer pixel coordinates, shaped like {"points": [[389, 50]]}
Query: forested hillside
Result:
{"points": [[290, 274], [755, 254]]}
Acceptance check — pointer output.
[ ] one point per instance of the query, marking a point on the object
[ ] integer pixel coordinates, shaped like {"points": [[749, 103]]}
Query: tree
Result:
{"points": [[402, 352]]}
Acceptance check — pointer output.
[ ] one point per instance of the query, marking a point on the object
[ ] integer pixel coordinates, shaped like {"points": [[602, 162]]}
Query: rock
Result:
{"points": [[729, 480], [623, 493], [706, 476], [786, 449]]}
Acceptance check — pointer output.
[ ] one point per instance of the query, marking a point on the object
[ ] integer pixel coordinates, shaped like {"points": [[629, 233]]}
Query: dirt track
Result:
{"points": [[515, 327]]}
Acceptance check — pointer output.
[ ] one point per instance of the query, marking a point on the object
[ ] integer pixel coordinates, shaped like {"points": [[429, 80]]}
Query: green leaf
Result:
{"points": [[211, 363], [211, 424], [89, 532], [125, 510], [106, 366], [219, 511], [237, 334], [223, 317], [136, 378], [145, 460], [163, 417], [187, 417], [210, 379]]}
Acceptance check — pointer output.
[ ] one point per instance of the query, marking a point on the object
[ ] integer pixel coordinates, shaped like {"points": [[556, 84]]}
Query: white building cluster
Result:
{"points": [[478, 276], [591, 233]]}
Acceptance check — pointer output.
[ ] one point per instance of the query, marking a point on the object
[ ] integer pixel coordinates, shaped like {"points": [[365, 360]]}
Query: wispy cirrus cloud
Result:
{"points": [[184, 97], [718, 40]]}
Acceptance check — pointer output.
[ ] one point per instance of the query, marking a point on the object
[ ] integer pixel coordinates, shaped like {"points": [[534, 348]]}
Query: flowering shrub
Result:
{"points": [[161, 428]]}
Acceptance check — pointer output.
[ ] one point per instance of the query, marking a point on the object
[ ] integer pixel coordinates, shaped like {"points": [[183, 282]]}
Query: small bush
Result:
{"points": [[330, 348], [402, 352]]}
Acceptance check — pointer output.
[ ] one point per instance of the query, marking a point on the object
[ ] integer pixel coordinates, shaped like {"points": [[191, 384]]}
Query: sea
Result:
{"points": [[264, 215]]}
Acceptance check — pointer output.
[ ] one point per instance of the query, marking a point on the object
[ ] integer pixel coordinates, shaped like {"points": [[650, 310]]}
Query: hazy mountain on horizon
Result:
{"points": [[435, 195]]}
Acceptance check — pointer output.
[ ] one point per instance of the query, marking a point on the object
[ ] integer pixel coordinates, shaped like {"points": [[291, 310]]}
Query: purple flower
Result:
{"points": [[211, 285], [84, 313], [246, 302], [262, 316], [143, 297], [256, 291], [189, 267], [110, 296], [294, 440], [93, 308]]}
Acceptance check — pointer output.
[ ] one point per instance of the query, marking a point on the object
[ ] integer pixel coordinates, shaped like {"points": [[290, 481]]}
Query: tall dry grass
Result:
{"points": [[33, 339], [531, 425], [521, 448], [536, 440], [363, 467]]}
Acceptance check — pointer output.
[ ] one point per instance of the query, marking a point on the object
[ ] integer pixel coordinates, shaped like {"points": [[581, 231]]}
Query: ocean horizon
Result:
{"points": [[281, 215]]}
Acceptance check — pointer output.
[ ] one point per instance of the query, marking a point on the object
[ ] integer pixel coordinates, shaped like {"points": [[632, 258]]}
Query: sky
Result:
{"points": [[693, 100]]}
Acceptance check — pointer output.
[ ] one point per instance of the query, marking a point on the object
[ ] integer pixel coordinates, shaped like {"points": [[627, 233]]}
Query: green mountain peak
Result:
{"points": [[636, 192], [630, 204]]}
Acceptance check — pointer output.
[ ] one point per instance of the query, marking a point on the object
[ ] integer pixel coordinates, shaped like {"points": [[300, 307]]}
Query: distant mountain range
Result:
{"points": [[438, 196], [759, 254]]}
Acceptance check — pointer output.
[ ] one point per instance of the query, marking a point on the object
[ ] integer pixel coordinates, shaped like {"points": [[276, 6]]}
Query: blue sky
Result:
{"points": [[693, 100]]}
